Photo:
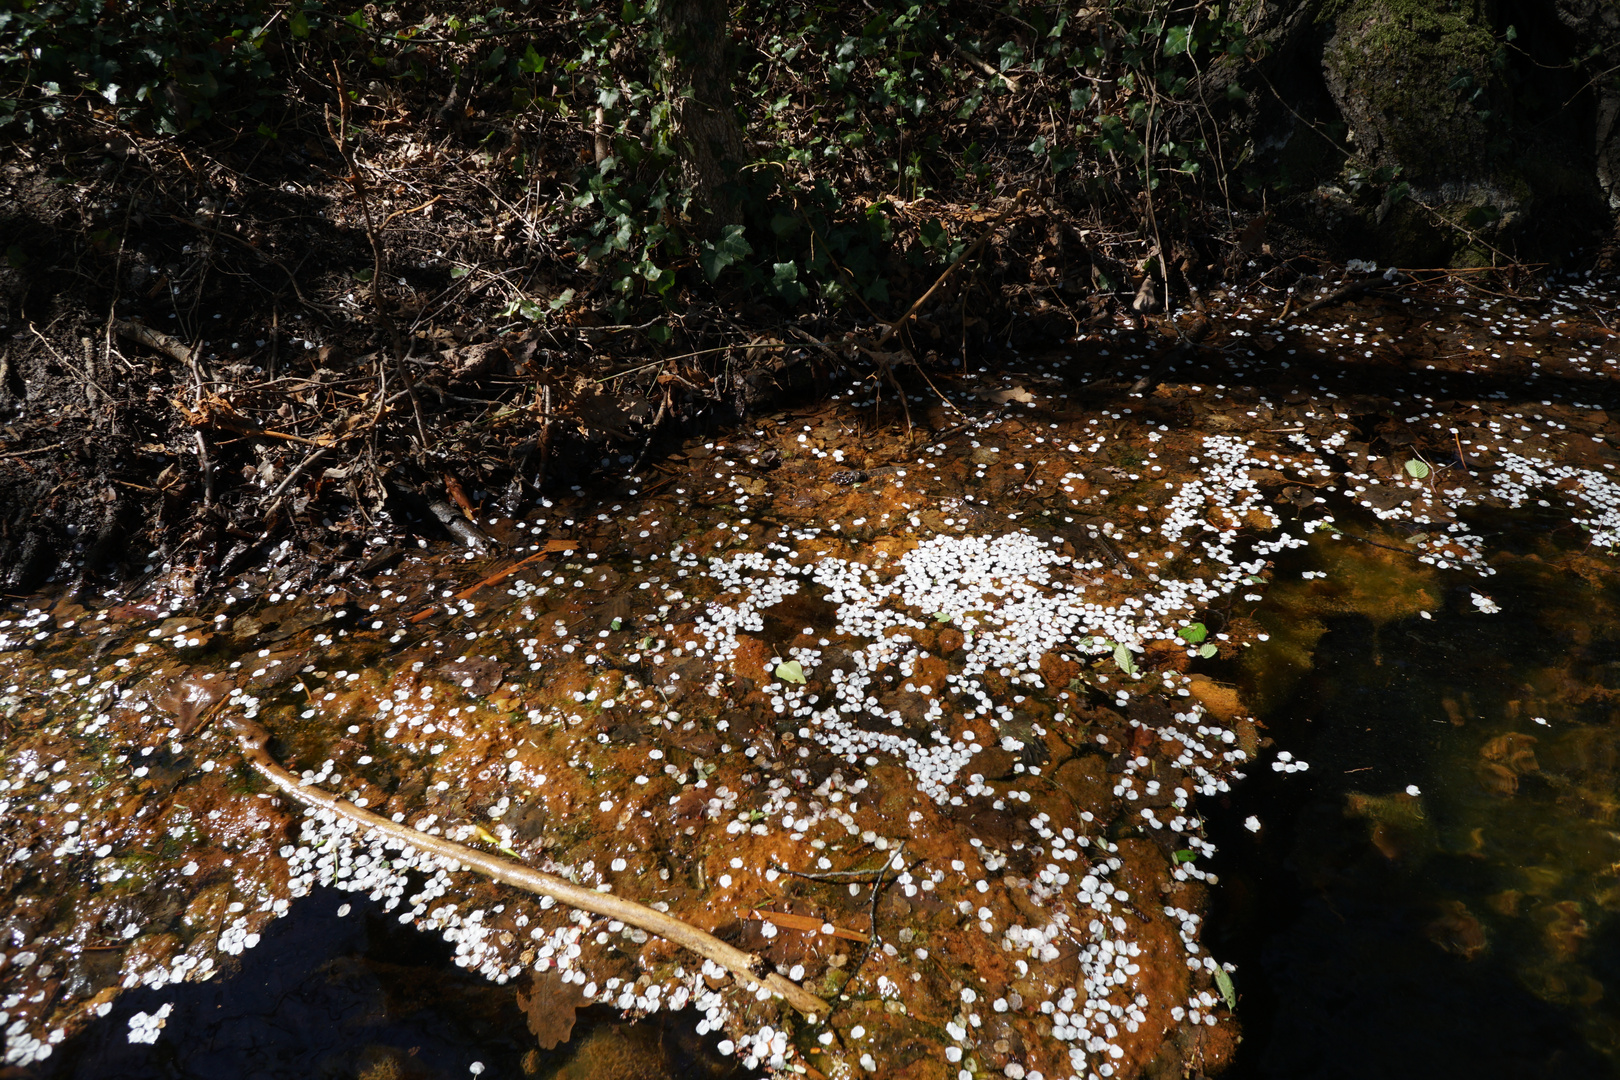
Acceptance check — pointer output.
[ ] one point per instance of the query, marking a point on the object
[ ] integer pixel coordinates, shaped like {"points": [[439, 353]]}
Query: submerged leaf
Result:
{"points": [[550, 1007], [1122, 657], [1223, 983]]}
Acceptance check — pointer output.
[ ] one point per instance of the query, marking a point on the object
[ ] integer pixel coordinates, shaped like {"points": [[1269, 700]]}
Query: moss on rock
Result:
{"points": [[1416, 81]]}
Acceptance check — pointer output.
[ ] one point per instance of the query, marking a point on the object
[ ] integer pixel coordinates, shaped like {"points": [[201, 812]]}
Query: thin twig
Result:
{"points": [[292, 474], [877, 891], [206, 465], [967, 253]]}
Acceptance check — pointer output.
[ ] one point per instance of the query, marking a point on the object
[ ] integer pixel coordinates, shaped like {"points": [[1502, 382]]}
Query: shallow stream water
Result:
{"points": [[853, 675]]}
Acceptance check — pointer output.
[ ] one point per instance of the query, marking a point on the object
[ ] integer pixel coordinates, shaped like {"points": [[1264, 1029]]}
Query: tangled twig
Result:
{"points": [[747, 967]]}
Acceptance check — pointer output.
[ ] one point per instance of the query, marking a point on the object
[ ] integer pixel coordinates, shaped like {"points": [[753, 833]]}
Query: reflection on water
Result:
{"points": [[1436, 899], [361, 996]]}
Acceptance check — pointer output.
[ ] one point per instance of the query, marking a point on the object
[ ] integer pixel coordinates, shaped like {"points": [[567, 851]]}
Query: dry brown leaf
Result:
{"points": [[458, 495], [805, 922]]}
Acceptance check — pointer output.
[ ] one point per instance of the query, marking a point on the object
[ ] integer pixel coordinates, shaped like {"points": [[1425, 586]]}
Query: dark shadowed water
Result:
{"points": [[361, 996], [1464, 932]]}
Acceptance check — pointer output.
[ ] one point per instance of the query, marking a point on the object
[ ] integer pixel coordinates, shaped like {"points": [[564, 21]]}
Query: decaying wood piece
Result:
{"points": [[746, 967], [154, 339]]}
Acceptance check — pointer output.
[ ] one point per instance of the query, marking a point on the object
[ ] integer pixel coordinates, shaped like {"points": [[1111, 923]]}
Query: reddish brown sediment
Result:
{"points": [[631, 720]]}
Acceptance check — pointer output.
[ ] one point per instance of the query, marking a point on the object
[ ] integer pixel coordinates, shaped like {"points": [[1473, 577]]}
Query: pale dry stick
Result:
{"points": [[411, 210], [154, 339], [987, 69], [206, 465], [253, 740], [92, 391]]}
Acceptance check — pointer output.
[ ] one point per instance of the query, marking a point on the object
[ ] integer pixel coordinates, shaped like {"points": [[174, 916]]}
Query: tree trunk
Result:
{"points": [[703, 116]]}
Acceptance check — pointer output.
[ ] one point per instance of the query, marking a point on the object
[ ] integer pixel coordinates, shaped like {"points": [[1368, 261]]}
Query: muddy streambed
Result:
{"points": [[942, 713]]}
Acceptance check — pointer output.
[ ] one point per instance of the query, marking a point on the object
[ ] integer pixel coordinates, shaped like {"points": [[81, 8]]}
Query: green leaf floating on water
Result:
{"points": [[1223, 983], [1184, 856], [1122, 657], [1208, 650], [1193, 633], [790, 671], [1417, 469]]}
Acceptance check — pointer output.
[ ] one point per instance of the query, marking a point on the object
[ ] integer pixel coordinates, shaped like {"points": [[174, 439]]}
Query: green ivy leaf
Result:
{"points": [[1175, 40], [790, 671], [716, 255], [786, 282]]}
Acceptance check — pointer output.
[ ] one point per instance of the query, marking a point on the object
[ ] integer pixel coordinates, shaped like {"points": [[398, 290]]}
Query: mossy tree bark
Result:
{"points": [[707, 135]]}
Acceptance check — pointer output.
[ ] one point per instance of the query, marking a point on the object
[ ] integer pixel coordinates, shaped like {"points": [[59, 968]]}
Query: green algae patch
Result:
{"points": [[1416, 80]]}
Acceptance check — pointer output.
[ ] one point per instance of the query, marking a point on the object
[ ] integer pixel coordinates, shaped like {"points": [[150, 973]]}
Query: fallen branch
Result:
{"points": [[986, 68], [747, 967], [154, 339], [1344, 292]]}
